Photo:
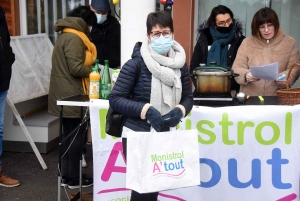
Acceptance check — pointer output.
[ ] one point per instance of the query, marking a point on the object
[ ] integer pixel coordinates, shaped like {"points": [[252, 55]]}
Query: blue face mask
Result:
{"points": [[101, 18], [161, 45]]}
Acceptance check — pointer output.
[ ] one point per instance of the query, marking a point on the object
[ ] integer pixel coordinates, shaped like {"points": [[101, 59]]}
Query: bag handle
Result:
{"points": [[288, 77], [152, 130], [137, 75]]}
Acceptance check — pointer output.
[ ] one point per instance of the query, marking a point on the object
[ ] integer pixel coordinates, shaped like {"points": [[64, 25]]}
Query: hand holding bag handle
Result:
{"points": [[173, 117], [155, 119]]}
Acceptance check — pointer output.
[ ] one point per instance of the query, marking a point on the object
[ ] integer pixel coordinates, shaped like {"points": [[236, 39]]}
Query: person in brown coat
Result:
{"points": [[71, 62], [268, 44]]}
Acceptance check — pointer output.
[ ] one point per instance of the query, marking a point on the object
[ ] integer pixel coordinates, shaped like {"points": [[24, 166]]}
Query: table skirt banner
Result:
{"points": [[246, 153]]}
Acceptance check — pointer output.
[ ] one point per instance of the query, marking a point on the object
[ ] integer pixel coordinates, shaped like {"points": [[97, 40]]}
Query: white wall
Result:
{"points": [[133, 24]]}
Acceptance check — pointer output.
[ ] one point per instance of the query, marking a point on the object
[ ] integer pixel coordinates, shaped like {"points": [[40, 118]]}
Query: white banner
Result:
{"points": [[246, 153]]}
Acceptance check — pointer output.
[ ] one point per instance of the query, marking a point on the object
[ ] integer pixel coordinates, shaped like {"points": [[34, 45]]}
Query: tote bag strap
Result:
{"points": [[137, 75]]}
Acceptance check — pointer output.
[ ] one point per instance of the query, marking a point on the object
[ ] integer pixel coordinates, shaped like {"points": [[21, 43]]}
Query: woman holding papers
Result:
{"points": [[268, 44]]}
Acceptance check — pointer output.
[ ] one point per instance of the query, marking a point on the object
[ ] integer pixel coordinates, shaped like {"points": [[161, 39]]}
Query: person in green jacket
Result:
{"points": [[72, 59]]}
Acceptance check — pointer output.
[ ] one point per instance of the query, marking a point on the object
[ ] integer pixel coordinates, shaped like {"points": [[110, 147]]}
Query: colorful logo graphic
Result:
{"points": [[111, 168], [169, 164]]}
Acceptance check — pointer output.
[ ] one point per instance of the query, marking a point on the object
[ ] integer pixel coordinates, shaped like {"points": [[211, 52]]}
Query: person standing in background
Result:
{"points": [[219, 40], [268, 44], [7, 58], [106, 34], [72, 59]]}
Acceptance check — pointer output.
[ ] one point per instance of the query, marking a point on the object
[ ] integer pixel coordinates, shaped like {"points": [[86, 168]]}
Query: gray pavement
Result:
{"points": [[37, 184]]}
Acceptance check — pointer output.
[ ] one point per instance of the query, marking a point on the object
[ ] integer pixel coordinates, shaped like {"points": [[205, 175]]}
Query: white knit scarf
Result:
{"points": [[166, 87]]}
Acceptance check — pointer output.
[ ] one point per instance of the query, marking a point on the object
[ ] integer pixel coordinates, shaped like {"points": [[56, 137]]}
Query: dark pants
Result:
{"points": [[70, 161], [135, 196]]}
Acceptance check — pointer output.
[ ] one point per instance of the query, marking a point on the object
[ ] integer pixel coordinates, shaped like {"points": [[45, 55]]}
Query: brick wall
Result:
{"points": [[11, 8], [183, 19]]}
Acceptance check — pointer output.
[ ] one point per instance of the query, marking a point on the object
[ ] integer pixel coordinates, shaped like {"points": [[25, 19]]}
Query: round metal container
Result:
{"points": [[213, 79]]}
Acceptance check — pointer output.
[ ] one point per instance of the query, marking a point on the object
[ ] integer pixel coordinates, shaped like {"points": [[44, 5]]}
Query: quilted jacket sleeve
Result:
{"points": [[187, 95], [119, 98]]}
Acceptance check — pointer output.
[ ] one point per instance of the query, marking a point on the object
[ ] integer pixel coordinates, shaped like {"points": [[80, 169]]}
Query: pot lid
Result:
{"points": [[212, 67]]}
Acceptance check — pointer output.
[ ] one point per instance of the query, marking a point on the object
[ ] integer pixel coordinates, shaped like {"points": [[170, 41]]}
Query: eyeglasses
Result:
{"points": [[157, 34], [267, 26], [223, 23]]}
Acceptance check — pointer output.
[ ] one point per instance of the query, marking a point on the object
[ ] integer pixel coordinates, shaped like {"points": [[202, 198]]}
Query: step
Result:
{"points": [[40, 119], [42, 127]]}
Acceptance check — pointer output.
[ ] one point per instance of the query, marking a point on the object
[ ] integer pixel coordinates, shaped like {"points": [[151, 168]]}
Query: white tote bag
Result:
{"points": [[162, 161]]}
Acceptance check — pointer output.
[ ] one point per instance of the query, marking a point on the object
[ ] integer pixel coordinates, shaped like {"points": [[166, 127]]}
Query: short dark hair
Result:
{"points": [[220, 9], [85, 13], [159, 18], [262, 16]]}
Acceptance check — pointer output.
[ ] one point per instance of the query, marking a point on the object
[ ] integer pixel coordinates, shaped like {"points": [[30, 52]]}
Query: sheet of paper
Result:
{"points": [[267, 72]]}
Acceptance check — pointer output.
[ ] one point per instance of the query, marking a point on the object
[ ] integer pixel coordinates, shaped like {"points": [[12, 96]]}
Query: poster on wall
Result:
{"points": [[248, 155]]}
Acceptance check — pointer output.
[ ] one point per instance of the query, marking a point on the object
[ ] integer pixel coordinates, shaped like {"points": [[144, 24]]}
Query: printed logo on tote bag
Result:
{"points": [[169, 164]]}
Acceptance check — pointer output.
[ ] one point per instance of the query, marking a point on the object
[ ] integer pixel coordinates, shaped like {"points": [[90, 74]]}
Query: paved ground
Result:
{"points": [[36, 183]]}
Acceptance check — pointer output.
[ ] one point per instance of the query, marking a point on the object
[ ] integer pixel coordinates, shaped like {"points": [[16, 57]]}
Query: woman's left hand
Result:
{"points": [[280, 83], [173, 117]]}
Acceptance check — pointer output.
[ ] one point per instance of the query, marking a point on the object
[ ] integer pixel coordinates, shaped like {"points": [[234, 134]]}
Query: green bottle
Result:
{"points": [[105, 82]]}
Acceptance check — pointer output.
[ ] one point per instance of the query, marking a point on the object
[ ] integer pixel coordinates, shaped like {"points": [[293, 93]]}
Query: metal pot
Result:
{"points": [[213, 79]]}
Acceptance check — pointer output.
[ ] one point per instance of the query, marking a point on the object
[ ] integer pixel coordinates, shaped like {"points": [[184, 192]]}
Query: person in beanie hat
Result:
{"points": [[101, 5], [106, 34], [7, 58]]}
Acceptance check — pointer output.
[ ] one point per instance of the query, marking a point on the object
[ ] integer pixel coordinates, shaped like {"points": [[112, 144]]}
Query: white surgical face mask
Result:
{"points": [[101, 18], [162, 45]]}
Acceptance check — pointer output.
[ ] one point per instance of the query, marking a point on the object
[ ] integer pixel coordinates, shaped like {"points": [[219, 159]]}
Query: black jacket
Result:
{"points": [[7, 57], [126, 87], [107, 39], [205, 39]]}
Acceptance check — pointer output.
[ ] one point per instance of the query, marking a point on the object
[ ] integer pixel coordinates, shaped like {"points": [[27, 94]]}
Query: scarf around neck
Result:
{"points": [[166, 87], [90, 48], [219, 48], [90, 54]]}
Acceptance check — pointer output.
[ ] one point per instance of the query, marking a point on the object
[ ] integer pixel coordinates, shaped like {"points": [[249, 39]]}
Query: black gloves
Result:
{"points": [[155, 119], [173, 117]]}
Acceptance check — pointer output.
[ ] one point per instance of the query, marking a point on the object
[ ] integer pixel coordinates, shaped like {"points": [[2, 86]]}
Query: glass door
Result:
{"points": [[288, 12], [41, 15]]}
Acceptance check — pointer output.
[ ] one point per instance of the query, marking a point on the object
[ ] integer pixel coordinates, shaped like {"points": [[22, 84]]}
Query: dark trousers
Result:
{"points": [[135, 196], [70, 160], [85, 139]]}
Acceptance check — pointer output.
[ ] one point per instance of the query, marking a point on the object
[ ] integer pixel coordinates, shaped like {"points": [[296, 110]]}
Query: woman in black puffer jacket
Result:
{"points": [[161, 96]]}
